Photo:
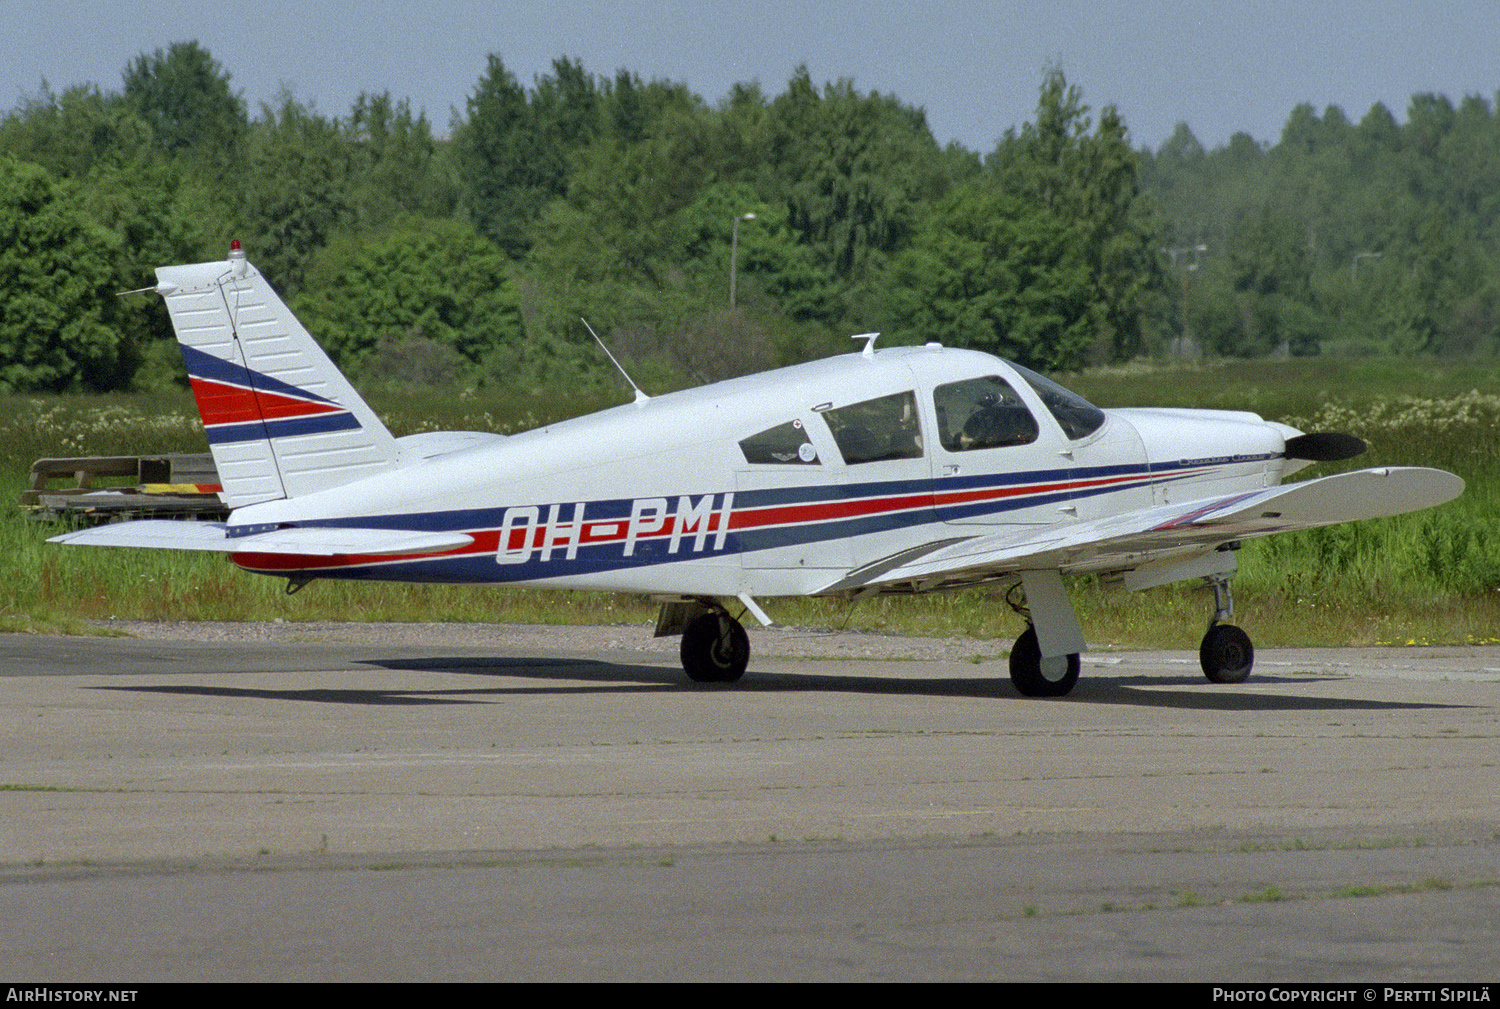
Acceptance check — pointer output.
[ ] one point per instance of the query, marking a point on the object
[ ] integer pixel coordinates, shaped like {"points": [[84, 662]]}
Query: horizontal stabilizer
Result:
{"points": [[303, 541]]}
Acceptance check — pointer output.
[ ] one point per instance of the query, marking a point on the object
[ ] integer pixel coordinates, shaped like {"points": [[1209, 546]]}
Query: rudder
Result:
{"points": [[282, 421]]}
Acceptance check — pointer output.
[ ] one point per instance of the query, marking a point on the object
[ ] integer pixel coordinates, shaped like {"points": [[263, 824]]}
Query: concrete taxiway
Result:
{"points": [[345, 802]]}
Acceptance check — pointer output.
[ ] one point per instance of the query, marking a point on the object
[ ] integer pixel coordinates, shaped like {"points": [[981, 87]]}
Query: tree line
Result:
{"points": [[1364, 238], [470, 254]]}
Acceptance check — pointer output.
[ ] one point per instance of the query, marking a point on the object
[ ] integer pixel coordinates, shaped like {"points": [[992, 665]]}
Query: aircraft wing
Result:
{"points": [[306, 541], [1131, 539]]}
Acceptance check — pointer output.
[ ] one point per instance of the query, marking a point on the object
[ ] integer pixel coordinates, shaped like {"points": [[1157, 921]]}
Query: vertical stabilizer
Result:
{"points": [[281, 420]]}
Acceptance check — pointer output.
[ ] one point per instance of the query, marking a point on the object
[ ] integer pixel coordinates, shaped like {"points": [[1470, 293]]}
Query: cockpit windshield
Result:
{"points": [[1075, 415]]}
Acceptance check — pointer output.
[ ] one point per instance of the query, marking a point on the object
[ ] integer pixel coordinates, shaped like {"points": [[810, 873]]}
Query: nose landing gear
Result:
{"points": [[1226, 653]]}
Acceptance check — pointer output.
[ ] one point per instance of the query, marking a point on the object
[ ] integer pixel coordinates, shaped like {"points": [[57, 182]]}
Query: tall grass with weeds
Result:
{"points": [[1430, 577]]}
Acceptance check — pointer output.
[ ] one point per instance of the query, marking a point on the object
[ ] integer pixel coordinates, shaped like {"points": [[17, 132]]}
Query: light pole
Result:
{"points": [[1197, 250], [734, 253]]}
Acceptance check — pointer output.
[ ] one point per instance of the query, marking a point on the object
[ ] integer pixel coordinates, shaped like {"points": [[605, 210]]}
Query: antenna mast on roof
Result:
{"points": [[640, 397]]}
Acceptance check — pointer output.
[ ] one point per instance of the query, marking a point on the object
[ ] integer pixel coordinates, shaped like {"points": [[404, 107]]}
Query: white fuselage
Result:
{"points": [[779, 483]]}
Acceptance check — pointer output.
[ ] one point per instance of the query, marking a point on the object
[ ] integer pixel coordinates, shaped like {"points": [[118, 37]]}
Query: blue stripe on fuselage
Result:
{"points": [[652, 548]]}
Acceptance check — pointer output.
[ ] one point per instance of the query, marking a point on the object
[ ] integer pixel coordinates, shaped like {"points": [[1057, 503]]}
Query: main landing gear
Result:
{"points": [[1226, 653], [1035, 676], [715, 648]]}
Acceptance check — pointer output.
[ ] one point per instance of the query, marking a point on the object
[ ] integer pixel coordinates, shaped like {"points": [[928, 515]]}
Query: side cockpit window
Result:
{"points": [[982, 413], [877, 429], [1075, 415], [784, 445]]}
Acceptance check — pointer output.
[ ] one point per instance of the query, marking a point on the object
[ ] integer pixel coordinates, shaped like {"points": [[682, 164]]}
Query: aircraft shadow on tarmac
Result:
{"points": [[554, 676], [564, 672]]}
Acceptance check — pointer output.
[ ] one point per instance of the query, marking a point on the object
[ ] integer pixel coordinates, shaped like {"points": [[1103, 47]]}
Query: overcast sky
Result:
{"points": [[973, 65]]}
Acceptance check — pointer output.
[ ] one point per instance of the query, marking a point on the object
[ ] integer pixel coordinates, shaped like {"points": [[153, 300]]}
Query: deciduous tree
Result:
{"points": [[185, 97], [992, 272], [416, 280], [56, 329]]}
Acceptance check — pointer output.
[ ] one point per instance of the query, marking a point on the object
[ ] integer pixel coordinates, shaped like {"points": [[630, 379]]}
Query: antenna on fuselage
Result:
{"points": [[869, 339], [640, 397]]}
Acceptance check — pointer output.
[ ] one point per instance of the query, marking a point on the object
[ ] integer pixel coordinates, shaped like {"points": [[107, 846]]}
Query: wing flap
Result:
{"points": [[304, 541], [1125, 541]]}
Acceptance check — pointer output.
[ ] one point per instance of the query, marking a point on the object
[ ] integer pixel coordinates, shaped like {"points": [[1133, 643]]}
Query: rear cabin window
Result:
{"points": [[877, 429], [784, 445], [1075, 415], [982, 413]]}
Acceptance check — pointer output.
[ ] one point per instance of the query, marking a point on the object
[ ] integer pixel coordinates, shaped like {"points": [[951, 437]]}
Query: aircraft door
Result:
{"points": [[842, 486]]}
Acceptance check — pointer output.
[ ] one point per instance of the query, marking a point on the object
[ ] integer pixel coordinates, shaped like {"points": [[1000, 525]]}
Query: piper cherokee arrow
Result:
{"points": [[900, 470]]}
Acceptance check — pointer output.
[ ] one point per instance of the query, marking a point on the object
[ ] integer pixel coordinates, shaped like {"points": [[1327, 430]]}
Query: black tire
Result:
{"points": [[1027, 669], [1226, 654], [715, 649]]}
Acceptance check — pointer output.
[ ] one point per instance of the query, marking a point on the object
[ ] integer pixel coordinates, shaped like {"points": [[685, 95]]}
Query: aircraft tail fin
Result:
{"points": [[282, 421]]}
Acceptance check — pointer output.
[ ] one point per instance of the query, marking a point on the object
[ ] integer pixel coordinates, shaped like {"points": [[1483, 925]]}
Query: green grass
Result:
{"points": [[1428, 578], [1279, 389]]}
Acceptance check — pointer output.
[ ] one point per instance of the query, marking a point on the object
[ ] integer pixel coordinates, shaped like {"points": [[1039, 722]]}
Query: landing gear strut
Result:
{"points": [[1033, 675], [715, 648], [1226, 653]]}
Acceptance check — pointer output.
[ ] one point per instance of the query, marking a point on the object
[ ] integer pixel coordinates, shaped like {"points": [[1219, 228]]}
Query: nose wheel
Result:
{"points": [[1226, 654]]}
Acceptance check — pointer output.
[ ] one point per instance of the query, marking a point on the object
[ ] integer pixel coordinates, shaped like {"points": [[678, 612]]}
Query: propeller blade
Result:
{"points": [[1324, 446]]}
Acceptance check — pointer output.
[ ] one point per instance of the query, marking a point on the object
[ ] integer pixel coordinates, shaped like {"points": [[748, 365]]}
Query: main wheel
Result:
{"points": [[715, 649], [1226, 654], [1035, 676]]}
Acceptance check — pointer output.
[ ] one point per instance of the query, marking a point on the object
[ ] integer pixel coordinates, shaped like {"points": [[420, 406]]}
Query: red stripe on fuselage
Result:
{"points": [[943, 498], [824, 511], [486, 541], [617, 530]]}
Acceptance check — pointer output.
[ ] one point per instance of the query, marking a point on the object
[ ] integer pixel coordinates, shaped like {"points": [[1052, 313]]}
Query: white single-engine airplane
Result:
{"points": [[909, 469]]}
